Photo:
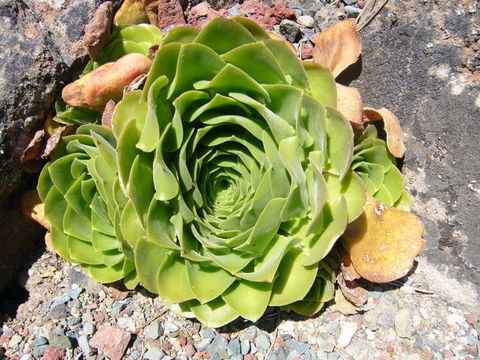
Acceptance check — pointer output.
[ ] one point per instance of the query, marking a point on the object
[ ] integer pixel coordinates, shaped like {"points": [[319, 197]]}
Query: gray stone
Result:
{"points": [[126, 322], [262, 341], [333, 356], [170, 327], [39, 350], [218, 344], [234, 347], [403, 323], [59, 341], [88, 328], [272, 356], [294, 354], [250, 334], [386, 318], [282, 353], [27, 357], [300, 347], [73, 321], [253, 349], [350, 2], [352, 11], [333, 326], [119, 305], [154, 353], [62, 299], [154, 330], [326, 345], [207, 333], [203, 344], [74, 293], [77, 278], [290, 29], [418, 343], [347, 330], [39, 341], [245, 346], [236, 357], [59, 311], [306, 20], [84, 345]]}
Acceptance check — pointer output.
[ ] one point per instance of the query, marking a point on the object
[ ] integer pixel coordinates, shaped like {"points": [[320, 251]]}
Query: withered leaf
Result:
{"points": [[352, 291], [33, 208], [53, 140], [34, 148], [349, 103], [107, 114], [392, 128], [346, 266], [131, 12], [98, 29], [338, 47], [383, 242]]}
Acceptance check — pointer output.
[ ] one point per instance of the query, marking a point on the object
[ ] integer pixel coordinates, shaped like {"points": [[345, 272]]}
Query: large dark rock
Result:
{"points": [[418, 58], [39, 42]]}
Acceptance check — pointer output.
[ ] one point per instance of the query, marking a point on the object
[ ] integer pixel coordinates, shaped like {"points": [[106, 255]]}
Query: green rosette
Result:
{"points": [[83, 203], [374, 163], [237, 172]]}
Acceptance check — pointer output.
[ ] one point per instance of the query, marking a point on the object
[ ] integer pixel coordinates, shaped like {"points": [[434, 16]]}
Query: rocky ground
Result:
{"points": [[69, 316], [62, 314]]}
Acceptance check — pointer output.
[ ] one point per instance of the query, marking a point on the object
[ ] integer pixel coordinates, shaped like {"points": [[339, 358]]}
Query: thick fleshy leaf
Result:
{"points": [[148, 258], [249, 299], [214, 313], [208, 282]]}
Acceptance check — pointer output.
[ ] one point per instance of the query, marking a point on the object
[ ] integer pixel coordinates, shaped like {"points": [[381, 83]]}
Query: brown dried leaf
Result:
{"points": [[346, 266], [98, 29], [34, 148], [349, 103], [131, 12], [337, 47], [391, 126], [352, 291], [107, 114], [33, 208], [48, 243], [384, 241], [53, 140]]}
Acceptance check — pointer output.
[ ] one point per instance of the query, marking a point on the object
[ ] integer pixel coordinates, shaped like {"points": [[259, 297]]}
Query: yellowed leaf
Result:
{"points": [[33, 208], [349, 103], [130, 13], [392, 128], [384, 241], [107, 114], [338, 47]]}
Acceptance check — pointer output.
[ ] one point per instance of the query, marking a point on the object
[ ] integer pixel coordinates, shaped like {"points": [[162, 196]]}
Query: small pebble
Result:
{"points": [[347, 330], [234, 347], [154, 353], [88, 328], [170, 327], [290, 29], [84, 345], [262, 341], [306, 21], [154, 330], [218, 344]]}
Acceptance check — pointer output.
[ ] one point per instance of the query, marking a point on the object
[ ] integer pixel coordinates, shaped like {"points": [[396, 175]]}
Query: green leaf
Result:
{"points": [[207, 282], [148, 258], [173, 285], [322, 83], [248, 298], [294, 280], [213, 314]]}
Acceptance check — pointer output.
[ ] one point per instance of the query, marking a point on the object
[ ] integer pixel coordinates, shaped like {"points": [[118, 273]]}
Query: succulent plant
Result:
{"points": [[237, 170], [83, 203], [227, 179], [373, 162]]}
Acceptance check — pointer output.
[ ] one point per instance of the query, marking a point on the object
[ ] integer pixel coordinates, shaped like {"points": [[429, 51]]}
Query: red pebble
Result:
{"points": [[334, 316], [280, 342], [471, 320], [447, 354], [53, 353]]}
